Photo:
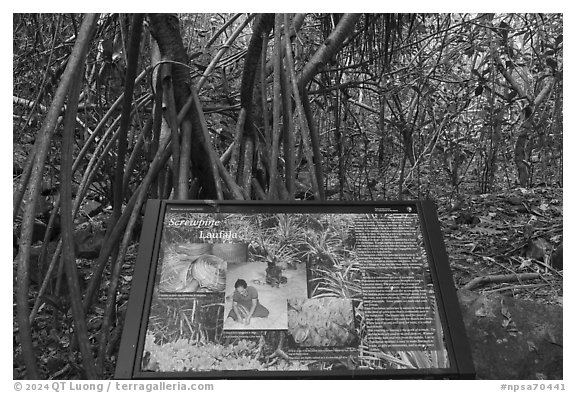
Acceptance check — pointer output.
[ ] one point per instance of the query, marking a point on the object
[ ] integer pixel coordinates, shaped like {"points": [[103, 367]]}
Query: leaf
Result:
{"points": [[484, 310], [512, 329], [481, 312], [526, 262], [551, 63], [504, 311], [559, 39], [527, 36]]}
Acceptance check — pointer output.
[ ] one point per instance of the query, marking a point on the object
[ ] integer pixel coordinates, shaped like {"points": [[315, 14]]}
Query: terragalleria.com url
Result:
{"points": [[68, 386]]}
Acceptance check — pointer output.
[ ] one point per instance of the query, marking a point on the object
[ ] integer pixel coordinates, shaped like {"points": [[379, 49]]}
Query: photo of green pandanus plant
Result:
{"points": [[425, 358]]}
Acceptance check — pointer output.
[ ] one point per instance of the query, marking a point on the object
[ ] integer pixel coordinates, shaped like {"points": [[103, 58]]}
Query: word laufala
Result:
{"points": [[208, 228]]}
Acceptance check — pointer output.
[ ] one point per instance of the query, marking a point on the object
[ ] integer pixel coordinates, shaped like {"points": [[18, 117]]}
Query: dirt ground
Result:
{"points": [[274, 299]]}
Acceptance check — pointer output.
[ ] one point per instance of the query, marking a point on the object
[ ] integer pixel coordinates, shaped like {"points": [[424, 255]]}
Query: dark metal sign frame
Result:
{"points": [[455, 340]]}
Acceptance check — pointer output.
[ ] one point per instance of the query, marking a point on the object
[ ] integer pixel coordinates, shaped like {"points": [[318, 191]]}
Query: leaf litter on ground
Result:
{"points": [[513, 232]]}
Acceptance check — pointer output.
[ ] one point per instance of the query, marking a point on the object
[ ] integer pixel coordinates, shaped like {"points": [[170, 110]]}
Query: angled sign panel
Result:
{"points": [[256, 289]]}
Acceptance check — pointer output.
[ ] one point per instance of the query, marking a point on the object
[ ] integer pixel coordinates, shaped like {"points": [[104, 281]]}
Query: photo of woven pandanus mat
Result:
{"points": [[176, 262], [189, 267], [321, 322]]}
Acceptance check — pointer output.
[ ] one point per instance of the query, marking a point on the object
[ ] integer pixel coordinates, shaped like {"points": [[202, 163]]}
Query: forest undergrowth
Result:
{"points": [[512, 234], [515, 235]]}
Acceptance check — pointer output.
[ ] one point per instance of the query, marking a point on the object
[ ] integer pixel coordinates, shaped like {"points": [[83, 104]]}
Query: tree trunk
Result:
{"points": [[74, 63], [315, 140], [338, 125], [277, 95], [329, 47], [133, 51], [521, 157], [303, 122], [288, 131], [67, 219], [263, 24], [166, 32], [521, 153]]}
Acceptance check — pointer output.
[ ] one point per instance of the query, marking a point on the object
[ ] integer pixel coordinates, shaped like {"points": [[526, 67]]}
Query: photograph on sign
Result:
{"points": [[292, 292]]}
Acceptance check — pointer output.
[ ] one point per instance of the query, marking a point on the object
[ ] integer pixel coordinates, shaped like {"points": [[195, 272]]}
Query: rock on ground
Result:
{"points": [[512, 338]]}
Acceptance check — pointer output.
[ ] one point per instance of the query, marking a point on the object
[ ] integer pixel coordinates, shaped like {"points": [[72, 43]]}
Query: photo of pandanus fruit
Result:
{"points": [[321, 322]]}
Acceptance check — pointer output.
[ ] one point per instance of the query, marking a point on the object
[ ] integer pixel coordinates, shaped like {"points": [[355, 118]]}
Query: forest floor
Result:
{"points": [[511, 235]]}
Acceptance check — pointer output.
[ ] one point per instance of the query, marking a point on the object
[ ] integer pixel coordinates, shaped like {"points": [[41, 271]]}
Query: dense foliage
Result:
{"points": [[260, 106]]}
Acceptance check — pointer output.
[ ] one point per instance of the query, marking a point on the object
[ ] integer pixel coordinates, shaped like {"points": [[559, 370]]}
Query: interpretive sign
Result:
{"points": [[292, 289]]}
